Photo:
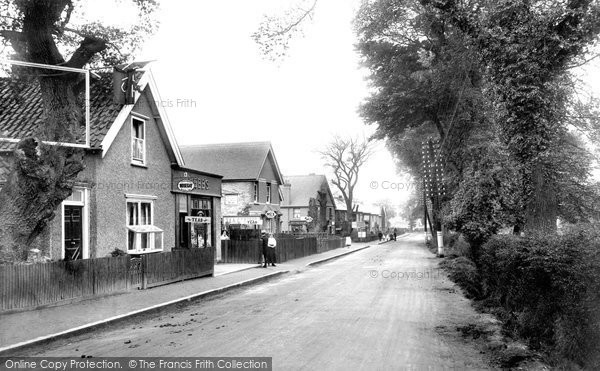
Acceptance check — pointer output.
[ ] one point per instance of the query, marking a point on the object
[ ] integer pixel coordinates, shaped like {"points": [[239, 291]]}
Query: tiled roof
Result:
{"points": [[340, 204], [304, 187], [232, 160], [22, 110]]}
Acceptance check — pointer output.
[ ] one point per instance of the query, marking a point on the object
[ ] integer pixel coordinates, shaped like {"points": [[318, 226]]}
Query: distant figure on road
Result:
{"points": [[395, 235], [380, 235]]}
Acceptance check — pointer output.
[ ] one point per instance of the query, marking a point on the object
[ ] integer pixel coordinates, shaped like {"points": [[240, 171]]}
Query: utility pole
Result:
{"points": [[433, 190]]}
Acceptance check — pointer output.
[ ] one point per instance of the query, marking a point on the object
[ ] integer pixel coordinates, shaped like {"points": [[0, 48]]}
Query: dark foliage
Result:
{"points": [[548, 289]]}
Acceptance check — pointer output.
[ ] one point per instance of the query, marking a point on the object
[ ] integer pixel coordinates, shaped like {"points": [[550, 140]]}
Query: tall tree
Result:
{"points": [[513, 57], [45, 32], [527, 48], [346, 157]]}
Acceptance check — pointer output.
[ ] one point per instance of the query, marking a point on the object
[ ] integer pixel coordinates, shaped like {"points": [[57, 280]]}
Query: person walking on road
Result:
{"points": [[395, 235]]}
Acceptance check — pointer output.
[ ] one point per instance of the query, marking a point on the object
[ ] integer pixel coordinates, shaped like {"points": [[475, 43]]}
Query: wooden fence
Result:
{"points": [[330, 243], [29, 286], [294, 248], [241, 251], [178, 265], [288, 247]]}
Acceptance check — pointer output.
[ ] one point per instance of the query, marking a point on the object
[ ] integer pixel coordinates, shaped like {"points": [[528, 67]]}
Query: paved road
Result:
{"points": [[386, 307]]}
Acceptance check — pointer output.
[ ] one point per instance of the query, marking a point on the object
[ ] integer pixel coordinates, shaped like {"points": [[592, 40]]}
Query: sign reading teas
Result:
{"points": [[194, 182], [197, 219], [245, 220]]}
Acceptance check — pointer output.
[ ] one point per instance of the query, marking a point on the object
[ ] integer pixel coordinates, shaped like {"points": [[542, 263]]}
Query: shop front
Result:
{"points": [[263, 219], [198, 209]]}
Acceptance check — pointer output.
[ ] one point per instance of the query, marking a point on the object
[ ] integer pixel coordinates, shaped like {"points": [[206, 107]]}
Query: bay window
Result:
{"points": [[142, 235]]}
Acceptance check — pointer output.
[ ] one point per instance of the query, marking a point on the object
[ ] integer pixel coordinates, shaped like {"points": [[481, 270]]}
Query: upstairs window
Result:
{"points": [[138, 141], [268, 193], [255, 192]]}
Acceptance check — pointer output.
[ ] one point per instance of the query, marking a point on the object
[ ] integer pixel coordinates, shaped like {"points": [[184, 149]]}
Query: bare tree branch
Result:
{"points": [[346, 157]]}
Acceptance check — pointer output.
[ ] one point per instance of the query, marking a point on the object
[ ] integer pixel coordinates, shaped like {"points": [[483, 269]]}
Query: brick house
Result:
{"points": [[301, 193], [252, 182], [126, 196]]}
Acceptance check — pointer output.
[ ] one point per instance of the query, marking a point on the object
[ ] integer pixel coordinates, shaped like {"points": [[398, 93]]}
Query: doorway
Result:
{"points": [[73, 232]]}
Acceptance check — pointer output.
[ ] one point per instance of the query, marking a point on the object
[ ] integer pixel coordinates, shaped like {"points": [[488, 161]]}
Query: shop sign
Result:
{"points": [[359, 224], [197, 219], [243, 220], [189, 182], [270, 214], [185, 185]]}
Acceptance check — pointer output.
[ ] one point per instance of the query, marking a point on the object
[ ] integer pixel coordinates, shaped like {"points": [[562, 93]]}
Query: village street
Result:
{"points": [[384, 307]]}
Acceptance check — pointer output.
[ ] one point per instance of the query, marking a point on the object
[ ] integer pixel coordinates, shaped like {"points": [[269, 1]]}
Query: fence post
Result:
{"points": [[144, 268]]}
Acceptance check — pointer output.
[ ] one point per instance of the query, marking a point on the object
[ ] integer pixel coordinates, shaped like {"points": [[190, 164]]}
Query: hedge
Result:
{"points": [[548, 287]]}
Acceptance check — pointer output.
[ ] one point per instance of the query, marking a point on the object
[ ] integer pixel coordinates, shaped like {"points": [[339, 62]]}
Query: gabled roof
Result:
{"points": [[235, 161], [366, 208], [21, 112], [305, 187]]}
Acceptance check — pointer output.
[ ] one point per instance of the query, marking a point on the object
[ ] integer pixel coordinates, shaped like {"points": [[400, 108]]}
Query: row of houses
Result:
{"points": [[141, 192]]}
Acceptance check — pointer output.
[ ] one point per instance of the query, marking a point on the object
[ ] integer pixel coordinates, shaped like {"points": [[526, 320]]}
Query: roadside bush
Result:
{"points": [[549, 289], [464, 273], [456, 246]]}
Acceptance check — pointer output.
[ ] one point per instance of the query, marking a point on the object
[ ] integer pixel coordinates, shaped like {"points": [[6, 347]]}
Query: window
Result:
{"points": [[76, 196], [297, 214], [268, 193], [142, 235], [201, 229], [255, 192], [138, 141]]}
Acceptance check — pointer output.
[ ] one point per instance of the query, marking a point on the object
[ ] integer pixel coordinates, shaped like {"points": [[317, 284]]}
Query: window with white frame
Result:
{"points": [[142, 235], [297, 214], [138, 141], [268, 193]]}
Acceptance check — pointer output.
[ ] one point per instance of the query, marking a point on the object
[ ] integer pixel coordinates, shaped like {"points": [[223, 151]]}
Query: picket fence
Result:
{"points": [[32, 285]]}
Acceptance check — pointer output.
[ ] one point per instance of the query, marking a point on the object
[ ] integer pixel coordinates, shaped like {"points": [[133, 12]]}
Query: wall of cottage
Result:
{"points": [[110, 178], [154, 179]]}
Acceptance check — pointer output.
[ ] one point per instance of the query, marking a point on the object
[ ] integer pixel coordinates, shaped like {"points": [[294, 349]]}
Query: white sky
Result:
{"points": [[204, 53]]}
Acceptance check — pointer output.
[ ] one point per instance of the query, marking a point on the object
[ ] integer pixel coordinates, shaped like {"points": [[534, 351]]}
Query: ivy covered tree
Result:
{"points": [[527, 48], [51, 32], [490, 80]]}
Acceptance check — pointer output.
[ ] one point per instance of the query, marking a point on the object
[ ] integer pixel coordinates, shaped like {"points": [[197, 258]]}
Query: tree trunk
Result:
{"points": [[42, 176], [542, 206]]}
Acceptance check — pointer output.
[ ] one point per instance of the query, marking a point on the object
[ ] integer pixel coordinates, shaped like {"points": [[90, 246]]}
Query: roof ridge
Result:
{"points": [[223, 144], [306, 175]]}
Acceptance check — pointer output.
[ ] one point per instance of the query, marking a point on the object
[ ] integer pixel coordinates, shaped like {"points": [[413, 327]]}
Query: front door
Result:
{"points": [[73, 232]]}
